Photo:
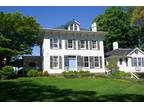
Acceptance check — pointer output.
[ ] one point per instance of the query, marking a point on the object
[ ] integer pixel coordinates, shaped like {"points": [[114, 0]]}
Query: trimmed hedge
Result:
{"points": [[7, 72], [77, 74]]}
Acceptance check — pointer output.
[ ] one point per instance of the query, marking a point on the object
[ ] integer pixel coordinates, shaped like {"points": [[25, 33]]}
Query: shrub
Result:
{"points": [[45, 73], [76, 74], [7, 72], [33, 73], [120, 74]]}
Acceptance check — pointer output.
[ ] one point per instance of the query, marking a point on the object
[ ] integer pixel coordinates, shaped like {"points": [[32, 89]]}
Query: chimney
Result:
{"points": [[115, 45], [94, 27]]}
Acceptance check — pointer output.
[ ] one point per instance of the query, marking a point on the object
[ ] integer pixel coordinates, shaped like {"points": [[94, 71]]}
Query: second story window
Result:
{"points": [[83, 44], [70, 44], [55, 44], [94, 44]]}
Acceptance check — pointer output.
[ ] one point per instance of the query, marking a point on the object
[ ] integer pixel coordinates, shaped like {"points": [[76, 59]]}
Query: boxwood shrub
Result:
{"points": [[33, 73], [7, 72]]}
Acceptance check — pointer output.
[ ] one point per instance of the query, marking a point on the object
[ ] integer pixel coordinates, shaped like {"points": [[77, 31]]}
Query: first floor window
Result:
{"points": [[96, 61], [54, 62], [86, 61], [138, 62]]}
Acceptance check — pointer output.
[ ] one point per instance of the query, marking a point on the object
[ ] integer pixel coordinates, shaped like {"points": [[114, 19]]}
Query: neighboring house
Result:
{"points": [[128, 60], [71, 48]]}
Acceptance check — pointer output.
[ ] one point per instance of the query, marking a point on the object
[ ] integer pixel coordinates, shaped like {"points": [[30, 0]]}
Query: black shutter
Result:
{"points": [[92, 62], [60, 44], [51, 44], [79, 44], [74, 44], [66, 44], [91, 45], [98, 43], [80, 62], [60, 62], [100, 62], [51, 62], [86, 44]]}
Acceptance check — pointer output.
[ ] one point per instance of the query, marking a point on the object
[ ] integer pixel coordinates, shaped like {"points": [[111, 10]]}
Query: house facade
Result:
{"points": [[72, 48], [128, 60]]}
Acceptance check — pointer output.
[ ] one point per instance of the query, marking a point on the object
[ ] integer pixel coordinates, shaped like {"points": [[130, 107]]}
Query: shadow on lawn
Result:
{"points": [[25, 91]]}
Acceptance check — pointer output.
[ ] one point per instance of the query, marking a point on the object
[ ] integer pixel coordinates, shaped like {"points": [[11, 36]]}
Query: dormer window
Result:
{"points": [[71, 27], [75, 27]]}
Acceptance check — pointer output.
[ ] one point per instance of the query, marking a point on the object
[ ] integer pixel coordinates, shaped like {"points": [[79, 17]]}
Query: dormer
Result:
{"points": [[73, 25]]}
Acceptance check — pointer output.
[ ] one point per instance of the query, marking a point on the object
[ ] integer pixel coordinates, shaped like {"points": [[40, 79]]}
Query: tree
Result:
{"points": [[112, 65], [116, 23], [18, 34]]}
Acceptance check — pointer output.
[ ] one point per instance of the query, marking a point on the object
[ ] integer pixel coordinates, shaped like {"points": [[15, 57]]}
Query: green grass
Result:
{"points": [[75, 89]]}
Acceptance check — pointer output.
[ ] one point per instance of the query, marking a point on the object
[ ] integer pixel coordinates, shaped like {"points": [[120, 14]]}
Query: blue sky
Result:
{"points": [[50, 16]]}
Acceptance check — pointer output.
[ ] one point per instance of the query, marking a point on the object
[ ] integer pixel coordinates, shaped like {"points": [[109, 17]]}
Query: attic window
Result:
{"points": [[75, 27], [71, 27]]}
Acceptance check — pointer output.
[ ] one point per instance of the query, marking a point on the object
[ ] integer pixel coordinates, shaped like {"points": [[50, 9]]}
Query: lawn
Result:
{"points": [[74, 89]]}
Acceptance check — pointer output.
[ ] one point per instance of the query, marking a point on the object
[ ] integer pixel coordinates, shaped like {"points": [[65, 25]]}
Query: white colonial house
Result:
{"points": [[71, 48], [128, 60]]}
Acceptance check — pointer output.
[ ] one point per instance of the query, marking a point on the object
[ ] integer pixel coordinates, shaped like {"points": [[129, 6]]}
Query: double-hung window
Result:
{"points": [[83, 44], [96, 62], [55, 62], [55, 44], [86, 61], [138, 62], [94, 44], [70, 44]]}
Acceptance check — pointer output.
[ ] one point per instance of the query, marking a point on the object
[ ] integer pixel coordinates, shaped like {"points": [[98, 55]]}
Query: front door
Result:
{"points": [[72, 63]]}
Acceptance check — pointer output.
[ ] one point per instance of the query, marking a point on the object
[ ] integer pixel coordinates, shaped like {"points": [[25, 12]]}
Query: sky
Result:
{"points": [[50, 16]]}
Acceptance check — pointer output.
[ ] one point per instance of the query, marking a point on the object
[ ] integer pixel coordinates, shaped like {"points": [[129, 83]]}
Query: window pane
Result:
{"points": [[75, 27], [143, 62], [86, 62], [55, 61], [135, 61], [94, 44], [96, 61], [82, 43], [55, 43], [120, 60], [139, 62], [70, 43], [71, 27]]}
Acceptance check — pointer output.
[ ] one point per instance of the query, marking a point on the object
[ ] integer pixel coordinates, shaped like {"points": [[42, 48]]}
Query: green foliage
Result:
{"points": [[7, 72], [18, 34], [112, 65], [33, 73], [77, 74], [116, 22], [120, 74], [45, 73]]}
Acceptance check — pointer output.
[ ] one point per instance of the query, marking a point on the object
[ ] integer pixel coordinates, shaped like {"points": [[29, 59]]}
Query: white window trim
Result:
{"points": [[98, 62], [57, 44], [53, 62], [88, 62], [95, 46], [72, 45], [84, 44]]}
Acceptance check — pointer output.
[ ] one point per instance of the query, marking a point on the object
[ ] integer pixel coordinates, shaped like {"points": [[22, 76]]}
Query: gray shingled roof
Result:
{"points": [[118, 52]]}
